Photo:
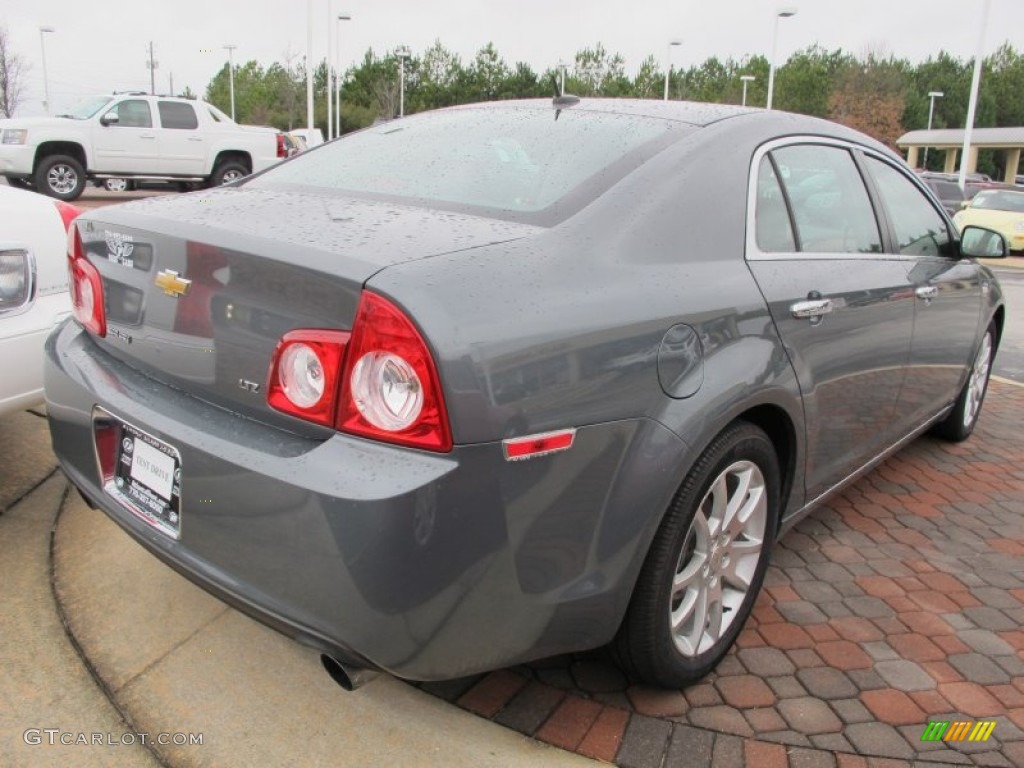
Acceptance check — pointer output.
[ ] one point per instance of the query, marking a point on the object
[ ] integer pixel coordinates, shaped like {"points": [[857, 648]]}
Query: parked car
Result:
{"points": [[523, 379], [998, 209], [33, 290], [132, 137], [946, 190]]}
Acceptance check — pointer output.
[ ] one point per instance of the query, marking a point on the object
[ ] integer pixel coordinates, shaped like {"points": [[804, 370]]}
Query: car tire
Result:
{"points": [[60, 176], [706, 563], [228, 171], [961, 421], [117, 185]]}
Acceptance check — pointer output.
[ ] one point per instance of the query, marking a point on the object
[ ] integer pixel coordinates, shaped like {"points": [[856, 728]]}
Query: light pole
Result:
{"points": [[46, 80], [329, 71], [402, 54], [231, 75], [972, 105], [337, 52], [932, 96], [746, 79], [562, 66], [781, 13], [309, 66], [668, 62]]}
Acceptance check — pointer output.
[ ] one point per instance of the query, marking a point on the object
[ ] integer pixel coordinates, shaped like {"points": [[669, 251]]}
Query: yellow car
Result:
{"points": [[998, 209]]}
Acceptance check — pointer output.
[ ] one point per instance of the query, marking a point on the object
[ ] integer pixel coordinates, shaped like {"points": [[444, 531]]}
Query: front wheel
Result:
{"points": [[962, 420], [707, 562], [117, 185], [60, 176]]}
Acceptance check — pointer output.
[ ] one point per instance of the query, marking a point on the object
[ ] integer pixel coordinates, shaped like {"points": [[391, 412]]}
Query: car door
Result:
{"points": [[843, 308], [125, 140], [947, 291], [182, 144]]}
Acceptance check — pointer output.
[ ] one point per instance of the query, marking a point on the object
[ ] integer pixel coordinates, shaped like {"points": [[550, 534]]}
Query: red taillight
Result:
{"points": [[305, 374], [519, 448], [67, 212], [86, 287], [390, 387], [282, 148]]}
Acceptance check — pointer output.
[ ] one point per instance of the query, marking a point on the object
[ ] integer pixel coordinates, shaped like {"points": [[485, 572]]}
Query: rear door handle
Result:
{"points": [[195, 138], [812, 308], [927, 292], [147, 135]]}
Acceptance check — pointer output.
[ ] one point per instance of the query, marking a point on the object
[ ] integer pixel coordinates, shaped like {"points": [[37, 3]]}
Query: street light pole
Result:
{"points": [[746, 79], [231, 75], [46, 80], [668, 63], [781, 13], [932, 96], [329, 71], [337, 52], [401, 53], [972, 105], [309, 66]]}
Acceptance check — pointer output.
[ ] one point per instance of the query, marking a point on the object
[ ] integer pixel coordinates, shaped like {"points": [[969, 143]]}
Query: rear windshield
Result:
{"points": [[1000, 201], [504, 159]]}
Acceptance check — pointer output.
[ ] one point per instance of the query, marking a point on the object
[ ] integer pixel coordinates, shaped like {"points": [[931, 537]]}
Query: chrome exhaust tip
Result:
{"points": [[346, 675]]}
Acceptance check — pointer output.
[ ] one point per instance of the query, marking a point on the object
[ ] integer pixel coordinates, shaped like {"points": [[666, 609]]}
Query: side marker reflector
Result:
{"points": [[532, 446]]}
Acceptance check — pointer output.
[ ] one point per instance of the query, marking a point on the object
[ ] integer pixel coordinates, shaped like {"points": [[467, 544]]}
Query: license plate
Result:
{"points": [[147, 476]]}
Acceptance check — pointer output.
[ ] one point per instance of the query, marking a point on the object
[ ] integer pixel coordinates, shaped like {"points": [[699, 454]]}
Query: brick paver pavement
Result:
{"points": [[898, 602]]}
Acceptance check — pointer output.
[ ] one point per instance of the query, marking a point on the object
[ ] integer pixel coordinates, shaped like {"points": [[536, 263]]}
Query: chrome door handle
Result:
{"points": [[812, 308], [195, 138], [927, 292], [147, 136]]}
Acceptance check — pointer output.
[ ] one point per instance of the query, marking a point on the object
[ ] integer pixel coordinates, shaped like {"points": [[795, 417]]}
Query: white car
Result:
{"points": [[33, 289], [133, 136]]}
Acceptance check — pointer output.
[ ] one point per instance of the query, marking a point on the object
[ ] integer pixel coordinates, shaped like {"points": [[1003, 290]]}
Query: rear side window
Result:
{"points": [[774, 229], [500, 158], [920, 229], [830, 204], [174, 114]]}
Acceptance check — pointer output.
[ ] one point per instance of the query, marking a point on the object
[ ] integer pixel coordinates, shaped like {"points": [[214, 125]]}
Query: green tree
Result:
{"points": [[804, 84]]}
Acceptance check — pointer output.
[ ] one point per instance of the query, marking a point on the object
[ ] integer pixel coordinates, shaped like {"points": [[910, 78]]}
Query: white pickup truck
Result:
{"points": [[132, 136]]}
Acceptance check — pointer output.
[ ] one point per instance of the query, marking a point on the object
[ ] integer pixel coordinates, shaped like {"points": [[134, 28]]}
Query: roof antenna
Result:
{"points": [[562, 100]]}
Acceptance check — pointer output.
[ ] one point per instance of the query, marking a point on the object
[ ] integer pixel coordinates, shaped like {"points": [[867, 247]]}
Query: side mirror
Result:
{"points": [[981, 243], [110, 118]]}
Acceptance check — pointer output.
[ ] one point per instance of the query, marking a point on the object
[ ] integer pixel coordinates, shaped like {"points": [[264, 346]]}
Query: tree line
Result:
{"points": [[879, 94]]}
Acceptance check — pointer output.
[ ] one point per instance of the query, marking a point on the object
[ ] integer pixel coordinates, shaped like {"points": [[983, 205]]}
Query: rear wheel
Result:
{"points": [[228, 171], [60, 176], [117, 185], [962, 420], [707, 562]]}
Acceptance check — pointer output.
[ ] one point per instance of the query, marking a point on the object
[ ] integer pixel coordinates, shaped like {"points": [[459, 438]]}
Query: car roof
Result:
{"points": [[691, 112]]}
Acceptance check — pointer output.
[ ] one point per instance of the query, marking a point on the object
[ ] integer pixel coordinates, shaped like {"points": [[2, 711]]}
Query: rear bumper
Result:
{"points": [[427, 566], [22, 337]]}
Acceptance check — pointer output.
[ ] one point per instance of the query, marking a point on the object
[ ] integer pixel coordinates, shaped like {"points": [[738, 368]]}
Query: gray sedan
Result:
{"points": [[511, 380]]}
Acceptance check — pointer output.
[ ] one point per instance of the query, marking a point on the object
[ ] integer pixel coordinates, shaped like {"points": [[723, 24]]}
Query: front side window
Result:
{"points": [[133, 113], [174, 114], [830, 205], [920, 229]]}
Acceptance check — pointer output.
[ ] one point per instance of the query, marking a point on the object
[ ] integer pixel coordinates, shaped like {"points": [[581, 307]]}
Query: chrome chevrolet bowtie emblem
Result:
{"points": [[172, 283]]}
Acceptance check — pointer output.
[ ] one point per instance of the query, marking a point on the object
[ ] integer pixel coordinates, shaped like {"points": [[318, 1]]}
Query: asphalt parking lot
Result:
{"points": [[897, 603]]}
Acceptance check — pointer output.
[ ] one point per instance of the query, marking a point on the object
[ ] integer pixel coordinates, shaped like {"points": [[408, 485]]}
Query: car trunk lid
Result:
{"points": [[200, 288]]}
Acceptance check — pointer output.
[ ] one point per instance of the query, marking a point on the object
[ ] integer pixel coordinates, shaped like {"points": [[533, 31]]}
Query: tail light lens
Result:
{"points": [[305, 376], [378, 382], [67, 212], [86, 287], [282, 148], [391, 388]]}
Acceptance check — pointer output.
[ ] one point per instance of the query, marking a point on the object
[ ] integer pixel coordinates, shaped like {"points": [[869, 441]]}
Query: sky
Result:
{"points": [[102, 45]]}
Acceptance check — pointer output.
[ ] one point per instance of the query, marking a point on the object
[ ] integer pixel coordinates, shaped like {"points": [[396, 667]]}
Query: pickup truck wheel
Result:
{"points": [[60, 176], [228, 171], [117, 185]]}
